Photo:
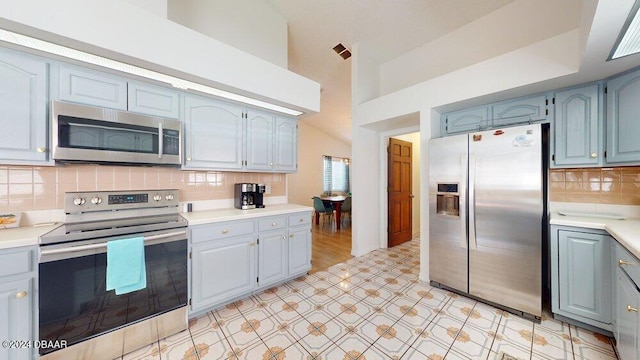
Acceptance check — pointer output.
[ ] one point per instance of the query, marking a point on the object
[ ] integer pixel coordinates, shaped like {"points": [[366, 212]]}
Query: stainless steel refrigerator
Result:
{"points": [[486, 214]]}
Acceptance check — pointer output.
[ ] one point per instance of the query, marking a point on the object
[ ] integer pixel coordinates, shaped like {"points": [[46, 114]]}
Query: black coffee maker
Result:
{"points": [[249, 195]]}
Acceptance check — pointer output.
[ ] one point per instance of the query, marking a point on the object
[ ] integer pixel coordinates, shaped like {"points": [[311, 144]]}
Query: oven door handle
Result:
{"points": [[104, 244]]}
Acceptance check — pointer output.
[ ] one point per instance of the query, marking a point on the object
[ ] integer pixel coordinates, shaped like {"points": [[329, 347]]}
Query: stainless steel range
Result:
{"points": [[73, 301]]}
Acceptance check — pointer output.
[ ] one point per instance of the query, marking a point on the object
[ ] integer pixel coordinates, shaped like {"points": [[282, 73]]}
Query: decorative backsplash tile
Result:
{"points": [[24, 188], [620, 185]]}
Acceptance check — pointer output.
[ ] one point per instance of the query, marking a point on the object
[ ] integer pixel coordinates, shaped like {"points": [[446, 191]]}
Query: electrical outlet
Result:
{"points": [[267, 189]]}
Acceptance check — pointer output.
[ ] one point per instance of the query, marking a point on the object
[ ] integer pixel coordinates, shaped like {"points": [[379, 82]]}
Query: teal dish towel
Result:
{"points": [[126, 270]]}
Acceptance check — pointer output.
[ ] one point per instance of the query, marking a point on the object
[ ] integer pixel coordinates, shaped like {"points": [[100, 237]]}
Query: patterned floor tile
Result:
{"points": [[177, 347], [149, 352], [219, 350], [394, 339]]}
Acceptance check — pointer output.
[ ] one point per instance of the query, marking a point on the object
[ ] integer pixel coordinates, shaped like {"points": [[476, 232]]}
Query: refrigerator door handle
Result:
{"points": [[463, 180], [473, 244]]}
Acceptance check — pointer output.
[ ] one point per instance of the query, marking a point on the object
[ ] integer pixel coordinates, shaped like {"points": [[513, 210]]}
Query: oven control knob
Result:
{"points": [[168, 197], [96, 200], [157, 197], [78, 201]]}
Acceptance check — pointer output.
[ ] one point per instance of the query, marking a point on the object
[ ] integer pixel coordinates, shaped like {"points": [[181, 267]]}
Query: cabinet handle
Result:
{"points": [[225, 231], [301, 220], [594, 155], [270, 164], [623, 262], [252, 244], [273, 224], [188, 159], [630, 309], [21, 294], [292, 235], [41, 149]]}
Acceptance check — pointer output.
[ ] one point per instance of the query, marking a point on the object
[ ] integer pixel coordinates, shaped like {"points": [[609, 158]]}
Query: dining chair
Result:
{"points": [[320, 208], [346, 208]]}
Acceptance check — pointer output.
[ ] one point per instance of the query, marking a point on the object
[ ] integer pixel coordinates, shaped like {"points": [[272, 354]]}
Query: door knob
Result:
{"points": [[631, 309], [594, 155], [41, 149], [21, 294]]}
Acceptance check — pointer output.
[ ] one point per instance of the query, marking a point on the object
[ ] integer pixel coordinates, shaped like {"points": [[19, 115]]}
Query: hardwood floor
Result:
{"points": [[330, 247]]}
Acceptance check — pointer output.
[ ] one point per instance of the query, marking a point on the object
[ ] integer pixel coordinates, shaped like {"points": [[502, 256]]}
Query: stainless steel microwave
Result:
{"points": [[96, 135]]}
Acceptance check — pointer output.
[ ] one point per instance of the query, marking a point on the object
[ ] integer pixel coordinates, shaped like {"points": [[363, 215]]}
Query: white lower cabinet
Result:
{"points": [[17, 302], [232, 259]]}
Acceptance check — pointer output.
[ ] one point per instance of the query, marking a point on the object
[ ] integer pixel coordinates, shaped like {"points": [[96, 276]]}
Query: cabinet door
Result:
{"points": [[88, 87], [623, 119], [272, 260], [577, 127], [153, 100], [213, 134], [259, 140], [520, 110], [626, 320], [222, 270], [15, 311], [286, 148], [299, 246], [584, 271], [23, 100], [466, 120]]}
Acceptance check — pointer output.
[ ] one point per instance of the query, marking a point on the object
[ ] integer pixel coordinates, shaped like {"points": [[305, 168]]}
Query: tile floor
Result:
{"points": [[371, 307]]}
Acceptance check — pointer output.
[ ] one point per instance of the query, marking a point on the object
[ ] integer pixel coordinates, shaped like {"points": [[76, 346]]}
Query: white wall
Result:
{"points": [[313, 143], [126, 32], [158, 7], [249, 25], [414, 139]]}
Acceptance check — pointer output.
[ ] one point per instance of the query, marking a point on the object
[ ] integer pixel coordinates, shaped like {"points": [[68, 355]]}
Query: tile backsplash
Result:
{"points": [[24, 188], [619, 185]]}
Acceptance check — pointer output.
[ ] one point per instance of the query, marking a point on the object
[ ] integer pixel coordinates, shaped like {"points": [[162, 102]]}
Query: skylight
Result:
{"points": [[628, 41]]}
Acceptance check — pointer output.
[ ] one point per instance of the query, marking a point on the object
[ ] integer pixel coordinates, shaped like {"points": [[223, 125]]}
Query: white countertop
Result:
{"points": [[211, 216], [25, 235], [626, 232]]}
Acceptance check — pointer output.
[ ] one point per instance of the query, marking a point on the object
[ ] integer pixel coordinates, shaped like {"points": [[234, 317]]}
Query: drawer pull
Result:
{"points": [[21, 294], [225, 231], [292, 235], [41, 149], [252, 244], [624, 262], [301, 220], [630, 309], [273, 224]]}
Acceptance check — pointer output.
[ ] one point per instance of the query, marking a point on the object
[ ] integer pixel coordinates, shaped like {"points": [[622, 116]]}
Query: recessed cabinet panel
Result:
{"points": [[213, 134], [15, 312], [92, 88], [299, 245], [153, 100], [623, 119], [577, 135], [272, 257], [23, 100], [627, 324]]}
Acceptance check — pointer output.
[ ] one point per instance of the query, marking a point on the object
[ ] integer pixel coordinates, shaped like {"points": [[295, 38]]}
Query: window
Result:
{"points": [[336, 174]]}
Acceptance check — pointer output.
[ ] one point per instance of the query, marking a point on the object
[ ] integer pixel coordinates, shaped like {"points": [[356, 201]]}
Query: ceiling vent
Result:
{"points": [[342, 51]]}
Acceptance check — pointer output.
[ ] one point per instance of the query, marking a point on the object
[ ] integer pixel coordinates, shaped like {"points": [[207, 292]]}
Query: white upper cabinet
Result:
{"points": [[623, 119], [23, 105], [214, 134], [577, 127], [286, 146], [531, 108], [260, 127]]}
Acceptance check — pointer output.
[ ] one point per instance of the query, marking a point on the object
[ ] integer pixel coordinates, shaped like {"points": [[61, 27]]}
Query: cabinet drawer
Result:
{"points": [[300, 219], [272, 223], [12, 263], [222, 231], [628, 263]]}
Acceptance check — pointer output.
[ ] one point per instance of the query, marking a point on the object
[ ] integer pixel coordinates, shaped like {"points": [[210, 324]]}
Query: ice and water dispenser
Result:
{"points": [[448, 199]]}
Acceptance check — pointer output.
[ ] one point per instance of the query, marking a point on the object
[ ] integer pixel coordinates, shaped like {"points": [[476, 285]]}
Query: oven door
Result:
{"points": [[90, 134], [73, 301]]}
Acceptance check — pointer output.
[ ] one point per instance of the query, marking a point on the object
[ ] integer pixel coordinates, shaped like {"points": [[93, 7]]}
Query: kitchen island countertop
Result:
{"points": [[212, 216], [25, 235], [626, 232]]}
